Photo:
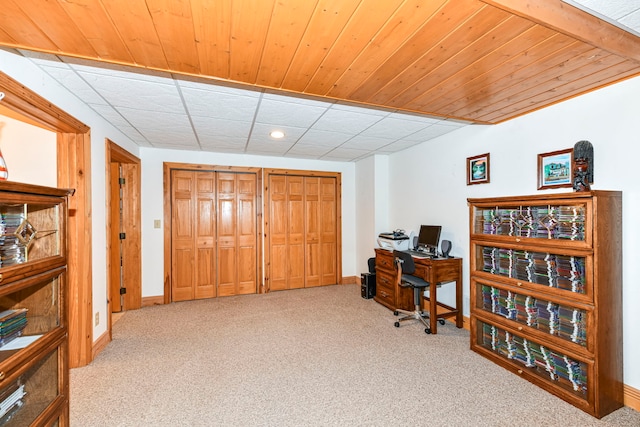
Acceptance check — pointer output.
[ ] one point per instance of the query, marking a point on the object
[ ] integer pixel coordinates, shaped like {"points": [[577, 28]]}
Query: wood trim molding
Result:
{"points": [[24, 101], [100, 344], [74, 171], [350, 280], [631, 397], [574, 22], [150, 301]]}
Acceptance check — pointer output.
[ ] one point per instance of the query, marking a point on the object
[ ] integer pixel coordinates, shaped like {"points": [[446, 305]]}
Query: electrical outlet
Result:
{"points": [[97, 320], [156, 223]]}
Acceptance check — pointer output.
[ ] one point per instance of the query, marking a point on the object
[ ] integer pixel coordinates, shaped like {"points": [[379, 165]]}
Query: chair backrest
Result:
{"points": [[406, 262]]}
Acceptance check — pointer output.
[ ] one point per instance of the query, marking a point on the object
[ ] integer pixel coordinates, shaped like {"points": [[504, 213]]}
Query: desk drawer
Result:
{"points": [[384, 260], [385, 289]]}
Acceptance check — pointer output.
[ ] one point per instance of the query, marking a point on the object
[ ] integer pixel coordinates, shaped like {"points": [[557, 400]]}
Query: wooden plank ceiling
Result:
{"points": [[478, 61]]}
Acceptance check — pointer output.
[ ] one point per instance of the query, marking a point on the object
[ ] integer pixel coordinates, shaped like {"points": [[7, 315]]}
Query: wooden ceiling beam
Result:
{"points": [[576, 23]]}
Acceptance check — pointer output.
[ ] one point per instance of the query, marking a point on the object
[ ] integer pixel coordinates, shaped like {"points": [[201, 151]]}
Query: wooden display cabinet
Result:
{"points": [[546, 292], [34, 379]]}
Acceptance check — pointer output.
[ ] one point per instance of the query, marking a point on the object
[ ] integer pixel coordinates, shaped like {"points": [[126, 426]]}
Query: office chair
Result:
{"points": [[406, 267]]}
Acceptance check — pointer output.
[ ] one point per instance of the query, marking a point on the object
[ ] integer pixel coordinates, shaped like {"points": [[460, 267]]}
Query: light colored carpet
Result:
{"points": [[309, 357]]}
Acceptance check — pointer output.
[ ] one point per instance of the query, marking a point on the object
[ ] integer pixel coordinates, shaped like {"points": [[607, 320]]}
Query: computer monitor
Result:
{"points": [[429, 238]]}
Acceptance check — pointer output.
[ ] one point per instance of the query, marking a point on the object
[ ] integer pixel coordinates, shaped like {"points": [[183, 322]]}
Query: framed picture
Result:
{"points": [[478, 169], [555, 169]]}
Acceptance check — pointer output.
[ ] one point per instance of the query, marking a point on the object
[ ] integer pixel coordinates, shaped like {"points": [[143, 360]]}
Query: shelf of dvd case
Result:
{"points": [[546, 292], [553, 318], [565, 222], [553, 270], [25, 398], [28, 232], [534, 358]]}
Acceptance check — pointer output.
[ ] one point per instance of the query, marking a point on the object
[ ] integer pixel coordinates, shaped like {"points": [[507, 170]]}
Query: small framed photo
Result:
{"points": [[478, 169], [555, 169]]}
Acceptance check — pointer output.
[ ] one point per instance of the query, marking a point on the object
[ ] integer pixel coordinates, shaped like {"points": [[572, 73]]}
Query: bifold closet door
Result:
{"points": [[302, 232], [237, 233], [286, 236], [214, 240], [193, 235], [321, 231]]}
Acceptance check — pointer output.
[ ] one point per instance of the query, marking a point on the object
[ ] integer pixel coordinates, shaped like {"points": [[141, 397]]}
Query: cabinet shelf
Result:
{"points": [[545, 299]]}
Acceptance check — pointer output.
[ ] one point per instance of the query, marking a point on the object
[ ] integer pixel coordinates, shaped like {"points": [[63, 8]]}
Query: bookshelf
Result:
{"points": [[34, 385], [546, 292]]}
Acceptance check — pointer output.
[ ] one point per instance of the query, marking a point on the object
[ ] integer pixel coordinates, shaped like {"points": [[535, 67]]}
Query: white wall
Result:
{"points": [[372, 198], [608, 118], [152, 203], [29, 152]]}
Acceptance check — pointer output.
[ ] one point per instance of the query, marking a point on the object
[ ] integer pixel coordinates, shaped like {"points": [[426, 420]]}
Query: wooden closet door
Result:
{"points": [[287, 232], [192, 235], [328, 231], [237, 240], [303, 231], [313, 253]]}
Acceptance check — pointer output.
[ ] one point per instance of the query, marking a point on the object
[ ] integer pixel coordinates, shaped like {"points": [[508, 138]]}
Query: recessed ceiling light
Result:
{"points": [[277, 134]]}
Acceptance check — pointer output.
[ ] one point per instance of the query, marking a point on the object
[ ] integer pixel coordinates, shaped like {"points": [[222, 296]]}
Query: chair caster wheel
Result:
{"points": [[397, 324], [395, 313], [427, 331], [441, 321]]}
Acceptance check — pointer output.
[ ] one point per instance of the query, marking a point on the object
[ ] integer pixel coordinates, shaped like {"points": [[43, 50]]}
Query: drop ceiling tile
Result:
{"points": [[221, 127], [367, 142], [159, 138], [341, 105], [261, 131], [314, 151], [398, 146], [347, 153], [321, 137], [150, 120], [116, 70], [394, 128], [74, 84], [279, 113], [613, 9], [427, 121], [136, 94], [208, 103], [215, 144], [296, 99], [350, 122], [429, 133], [216, 86], [632, 21]]}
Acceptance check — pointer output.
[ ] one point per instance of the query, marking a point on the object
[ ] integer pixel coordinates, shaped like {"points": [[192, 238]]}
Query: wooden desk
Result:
{"points": [[434, 271], [437, 271]]}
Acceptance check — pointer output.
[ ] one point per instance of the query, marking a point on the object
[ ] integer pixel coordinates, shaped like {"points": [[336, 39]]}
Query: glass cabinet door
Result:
{"points": [[561, 222], [30, 236]]}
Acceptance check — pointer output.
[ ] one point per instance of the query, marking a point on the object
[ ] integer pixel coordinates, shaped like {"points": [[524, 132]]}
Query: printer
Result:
{"points": [[396, 240]]}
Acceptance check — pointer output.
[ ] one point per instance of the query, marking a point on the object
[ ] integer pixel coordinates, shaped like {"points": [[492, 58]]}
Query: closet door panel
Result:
{"points": [[247, 234], [205, 285], [227, 278], [278, 220], [183, 237], [312, 235], [328, 229], [295, 247], [227, 225]]}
